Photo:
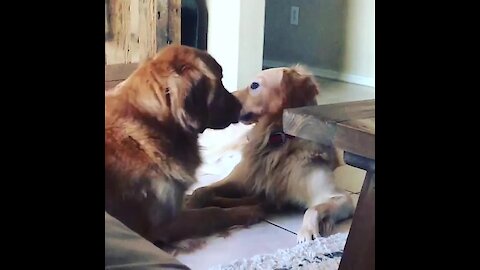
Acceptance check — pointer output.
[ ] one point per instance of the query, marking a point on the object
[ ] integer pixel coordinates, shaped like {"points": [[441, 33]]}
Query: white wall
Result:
{"points": [[335, 38], [359, 56], [252, 24], [235, 38]]}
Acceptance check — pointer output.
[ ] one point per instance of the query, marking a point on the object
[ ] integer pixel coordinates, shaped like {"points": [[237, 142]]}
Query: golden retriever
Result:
{"points": [[277, 168], [152, 122]]}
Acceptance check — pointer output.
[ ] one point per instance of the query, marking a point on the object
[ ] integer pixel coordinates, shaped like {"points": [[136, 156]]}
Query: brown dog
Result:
{"points": [[152, 121], [277, 168]]}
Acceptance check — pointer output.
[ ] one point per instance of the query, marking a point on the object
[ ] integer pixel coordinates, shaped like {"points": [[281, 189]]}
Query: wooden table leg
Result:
{"points": [[359, 252]]}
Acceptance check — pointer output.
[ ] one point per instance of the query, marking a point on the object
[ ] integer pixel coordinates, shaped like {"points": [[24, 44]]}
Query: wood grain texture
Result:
{"points": [[357, 136], [147, 29], [111, 84], [117, 44], [131, 30], [107, 26], [161, 23], [309, 127], [339, 112], [135, 30], [133, 52], [174, 21], [350, 125], [359, 253], [119, 71]]}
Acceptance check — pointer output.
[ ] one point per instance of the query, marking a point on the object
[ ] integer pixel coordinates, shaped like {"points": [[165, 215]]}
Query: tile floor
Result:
{"points": [[278, 231]]}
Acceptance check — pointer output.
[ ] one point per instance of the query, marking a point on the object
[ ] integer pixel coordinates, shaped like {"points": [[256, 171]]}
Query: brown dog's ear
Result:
{"points": [[192, 72], [300, 87], [182, 68]]}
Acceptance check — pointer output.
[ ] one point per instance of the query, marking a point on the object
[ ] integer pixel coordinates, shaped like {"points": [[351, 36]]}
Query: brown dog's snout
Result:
{"points": [[241, 96], [226, 110], [234, 107], [247, 117]]}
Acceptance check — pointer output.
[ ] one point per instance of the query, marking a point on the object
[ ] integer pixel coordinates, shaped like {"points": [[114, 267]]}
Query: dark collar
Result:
{"points": [[278, 138]]}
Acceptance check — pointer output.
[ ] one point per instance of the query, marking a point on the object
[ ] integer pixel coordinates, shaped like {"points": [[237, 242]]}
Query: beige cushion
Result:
{"points": [[125, 249]]}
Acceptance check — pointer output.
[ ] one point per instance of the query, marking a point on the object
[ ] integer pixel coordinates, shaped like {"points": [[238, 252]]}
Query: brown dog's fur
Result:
{"points": [[298, 172], [152, 121]]}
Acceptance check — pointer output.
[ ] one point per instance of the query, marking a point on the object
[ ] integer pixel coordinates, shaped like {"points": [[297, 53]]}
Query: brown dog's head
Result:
{"points": [[185, 84], [276, 89]]}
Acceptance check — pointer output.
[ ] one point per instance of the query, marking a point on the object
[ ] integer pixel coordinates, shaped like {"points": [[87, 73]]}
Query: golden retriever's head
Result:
{"points": [[185, 84], [276, 89]]}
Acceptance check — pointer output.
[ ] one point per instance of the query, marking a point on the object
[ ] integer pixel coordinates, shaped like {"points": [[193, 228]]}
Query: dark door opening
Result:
{"points": [[194, 23]]}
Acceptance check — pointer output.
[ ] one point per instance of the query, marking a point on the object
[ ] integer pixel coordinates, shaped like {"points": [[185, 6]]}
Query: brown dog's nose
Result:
{"points": [[225, 110], [246, 117], [236, 108]]}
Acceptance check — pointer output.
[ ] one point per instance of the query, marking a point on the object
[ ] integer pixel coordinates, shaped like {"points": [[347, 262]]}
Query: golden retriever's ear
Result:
{"points": [[300, 87]]}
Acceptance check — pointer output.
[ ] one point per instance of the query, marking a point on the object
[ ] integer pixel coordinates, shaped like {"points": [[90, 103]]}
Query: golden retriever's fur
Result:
{"points": [[152, 121], [298, 172]]}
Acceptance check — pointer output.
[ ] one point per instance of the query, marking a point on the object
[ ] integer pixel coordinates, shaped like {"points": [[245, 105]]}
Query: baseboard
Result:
{"points": [[326, 73]]}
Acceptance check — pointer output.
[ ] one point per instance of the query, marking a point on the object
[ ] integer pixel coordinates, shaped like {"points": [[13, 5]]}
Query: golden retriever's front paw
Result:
{"points": [[307, 233], [326, 227], [310, 229], [313, 229]]}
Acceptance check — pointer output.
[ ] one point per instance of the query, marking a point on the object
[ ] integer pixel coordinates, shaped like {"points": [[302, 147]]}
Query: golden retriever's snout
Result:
{"points": [[250, 111]]}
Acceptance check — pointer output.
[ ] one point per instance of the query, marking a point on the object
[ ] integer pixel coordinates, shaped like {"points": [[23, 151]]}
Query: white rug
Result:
{"points": [[320, 254]]}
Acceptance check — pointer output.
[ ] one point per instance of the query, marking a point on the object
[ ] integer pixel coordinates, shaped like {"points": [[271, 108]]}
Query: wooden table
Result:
{"points": [[351, 127]]}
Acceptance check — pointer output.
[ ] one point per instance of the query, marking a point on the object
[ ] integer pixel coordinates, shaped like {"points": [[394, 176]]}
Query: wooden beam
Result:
{"points": [[357, 136], [111, 84], [174, 21], [119, 71], [118, 41], [161, 23], [107, 26], [133, 49], [147, 29], [339, 112], [359, 252], [342, 124], [308, 127]]}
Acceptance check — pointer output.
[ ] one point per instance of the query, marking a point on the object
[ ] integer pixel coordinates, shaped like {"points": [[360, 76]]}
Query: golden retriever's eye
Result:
{"points": [[255, 88]]}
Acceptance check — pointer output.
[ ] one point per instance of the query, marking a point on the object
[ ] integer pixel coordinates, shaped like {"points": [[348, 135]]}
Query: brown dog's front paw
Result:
{"points": [[249, 215], [200, 198]]}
